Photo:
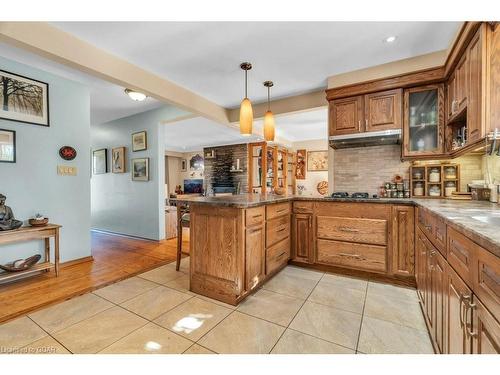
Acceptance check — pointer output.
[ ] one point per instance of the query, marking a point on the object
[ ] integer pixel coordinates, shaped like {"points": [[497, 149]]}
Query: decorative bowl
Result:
{"points": [[38, 223]]}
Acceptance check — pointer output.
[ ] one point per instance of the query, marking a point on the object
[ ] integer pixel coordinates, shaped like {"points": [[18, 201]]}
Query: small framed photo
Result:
{"points": [[184, 165], [118, 160], [139, 141], [100, 161], [140, 169], [24, 99], [7, 146]]}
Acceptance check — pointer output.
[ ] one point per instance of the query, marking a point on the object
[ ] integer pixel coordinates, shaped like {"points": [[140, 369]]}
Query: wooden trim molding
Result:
{"points": [[77, 261]]}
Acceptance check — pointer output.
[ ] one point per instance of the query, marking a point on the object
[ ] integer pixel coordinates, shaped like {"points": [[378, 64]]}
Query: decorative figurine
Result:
{"points": [[7, 220]]}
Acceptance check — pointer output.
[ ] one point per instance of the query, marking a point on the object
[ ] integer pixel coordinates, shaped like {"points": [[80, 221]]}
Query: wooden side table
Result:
{"points": [[29, 234]]}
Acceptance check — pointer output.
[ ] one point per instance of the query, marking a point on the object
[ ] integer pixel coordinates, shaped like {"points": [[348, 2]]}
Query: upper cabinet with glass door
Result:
{"points": [[423, 131]]}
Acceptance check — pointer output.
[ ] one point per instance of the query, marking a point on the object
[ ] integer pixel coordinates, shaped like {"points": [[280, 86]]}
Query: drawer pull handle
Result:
{"points": [[280, 211], [357, 256], [283, 253], [256, 216], [462, 308], [349, 230], [281, 229], [428, 227]]}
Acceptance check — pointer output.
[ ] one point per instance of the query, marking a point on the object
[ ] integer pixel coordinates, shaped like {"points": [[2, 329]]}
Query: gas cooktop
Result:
{"points": [[342, 194]]}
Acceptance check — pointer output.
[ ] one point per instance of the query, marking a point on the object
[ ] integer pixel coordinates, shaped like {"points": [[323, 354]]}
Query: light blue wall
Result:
{"points": [[120, 205], [32, 184]]}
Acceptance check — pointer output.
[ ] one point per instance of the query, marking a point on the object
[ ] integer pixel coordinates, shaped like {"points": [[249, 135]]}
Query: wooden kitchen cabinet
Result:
{"points": [[403, 240], [458, 342], [485, 330], [346, 116], [254, 256], [421, 267], [383, 110], [438, 285], [474, 88], [302, 238], [462, 84]]}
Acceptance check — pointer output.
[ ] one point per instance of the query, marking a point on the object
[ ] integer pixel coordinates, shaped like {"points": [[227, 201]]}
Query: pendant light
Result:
{"points": [[246, 111], [269, 117]]}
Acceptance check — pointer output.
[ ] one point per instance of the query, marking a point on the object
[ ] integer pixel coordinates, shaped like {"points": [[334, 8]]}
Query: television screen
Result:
{"points": [[193, 186]]}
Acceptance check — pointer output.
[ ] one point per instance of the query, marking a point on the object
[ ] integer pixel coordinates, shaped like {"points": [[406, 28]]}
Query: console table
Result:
{"points": [[29, 234]]}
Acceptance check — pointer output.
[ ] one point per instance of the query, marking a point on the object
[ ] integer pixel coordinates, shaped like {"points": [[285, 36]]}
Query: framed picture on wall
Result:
{"points": [[183, 165], [24, 99], [300, 171], [100, 161], [196, 163], [139, 141], [118, 160], [317, 161], [140, 169], [7, 146]]}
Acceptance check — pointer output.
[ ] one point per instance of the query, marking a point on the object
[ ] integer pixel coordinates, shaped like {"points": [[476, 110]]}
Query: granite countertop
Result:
{"points": [[479, 220]]}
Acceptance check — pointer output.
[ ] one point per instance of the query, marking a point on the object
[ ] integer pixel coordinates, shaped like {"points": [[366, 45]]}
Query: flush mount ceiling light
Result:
{"points": [[269, 117], [390, 39], [246, 111], [135, 95]]}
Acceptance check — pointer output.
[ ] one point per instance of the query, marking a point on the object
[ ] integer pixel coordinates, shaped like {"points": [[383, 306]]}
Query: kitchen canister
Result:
{"points": [[418, 189], [435, 191], [450, 173], [434, 175], [449, 188]]}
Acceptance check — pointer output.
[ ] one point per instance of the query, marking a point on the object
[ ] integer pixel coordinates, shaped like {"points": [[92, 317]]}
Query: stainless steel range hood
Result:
{"points": [[366, 139]]}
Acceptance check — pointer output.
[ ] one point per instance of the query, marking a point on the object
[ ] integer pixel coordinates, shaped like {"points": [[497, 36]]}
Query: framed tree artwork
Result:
{"points": [[300, 171], [140, 169], [139, 141], [118, 160], [7, 146], [317, 161], [100, 161], [23, 99]]}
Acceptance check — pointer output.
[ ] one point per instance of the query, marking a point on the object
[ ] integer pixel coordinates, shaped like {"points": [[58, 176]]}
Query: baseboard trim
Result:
{"points": [[122, 235], [70, 263]]}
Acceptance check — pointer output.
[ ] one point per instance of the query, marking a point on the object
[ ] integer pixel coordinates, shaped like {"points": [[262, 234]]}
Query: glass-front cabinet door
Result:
{"points": [[423, 130]]}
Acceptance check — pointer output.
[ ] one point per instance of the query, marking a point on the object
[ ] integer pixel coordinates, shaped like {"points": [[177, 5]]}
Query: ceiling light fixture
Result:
{"points": [[246, 111], [269, 117], [390, 39], [135, 95]]}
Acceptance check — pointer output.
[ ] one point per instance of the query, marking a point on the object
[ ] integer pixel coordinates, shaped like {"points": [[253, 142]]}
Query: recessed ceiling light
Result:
{"points": [[135, 95], [390, 39]]}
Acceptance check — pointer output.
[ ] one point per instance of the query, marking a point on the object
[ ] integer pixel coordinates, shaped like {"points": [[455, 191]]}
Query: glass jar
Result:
{"points": [[418, 189], [434, 175], [417, 175], [450, 188], [435, 191], [450, 173]]}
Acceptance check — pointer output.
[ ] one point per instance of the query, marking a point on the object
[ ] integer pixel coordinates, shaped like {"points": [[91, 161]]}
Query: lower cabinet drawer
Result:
{"points": [[352, 255], [486, 280], [277, 229], [460, 254], [369, 231], [277, 255]]}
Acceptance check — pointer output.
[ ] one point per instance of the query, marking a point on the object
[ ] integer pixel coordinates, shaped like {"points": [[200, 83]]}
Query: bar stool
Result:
{"points": [[183, 222]]}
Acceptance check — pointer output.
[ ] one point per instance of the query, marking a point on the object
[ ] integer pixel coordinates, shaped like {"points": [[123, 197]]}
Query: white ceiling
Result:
{"points": [[107, 101], [298, 56], [195, 133]]}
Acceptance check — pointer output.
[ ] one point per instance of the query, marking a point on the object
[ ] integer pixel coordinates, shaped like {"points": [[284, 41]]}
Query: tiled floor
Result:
{"points": [[298, 311]]}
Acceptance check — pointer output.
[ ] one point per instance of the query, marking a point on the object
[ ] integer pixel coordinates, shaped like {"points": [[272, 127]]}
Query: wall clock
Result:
{"points": [[67, 153]]}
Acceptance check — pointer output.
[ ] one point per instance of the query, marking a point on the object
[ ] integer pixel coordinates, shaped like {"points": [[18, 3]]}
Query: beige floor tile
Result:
{"points": [[240, 333], [380, 337], [150, 339], [293, 342], [292, 283], [99, 331], [162, 275], [334, 325], [339, 297], [198, 349], [47, 345], [126, 289], [193, 318], [396, 310], [303, 273], [181, 284], [184, 267], [271, 306], [155, 302], [223, 304], [18, 333], [392, 291], [345, 281], [65, 314]]}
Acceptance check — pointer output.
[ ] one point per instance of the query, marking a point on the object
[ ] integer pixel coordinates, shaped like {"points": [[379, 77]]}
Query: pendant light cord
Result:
{"points": [[246, 83], [268, 98]]}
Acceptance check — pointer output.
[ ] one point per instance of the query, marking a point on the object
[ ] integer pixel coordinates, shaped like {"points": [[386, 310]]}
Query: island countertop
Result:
{"points": [[479, 220]]}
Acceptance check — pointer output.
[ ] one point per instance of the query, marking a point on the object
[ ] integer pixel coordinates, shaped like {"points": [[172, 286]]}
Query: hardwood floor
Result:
{"points": [[115, 258]]}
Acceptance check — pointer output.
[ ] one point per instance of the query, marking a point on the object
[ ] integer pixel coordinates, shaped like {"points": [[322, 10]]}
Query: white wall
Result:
{"points": [[312, 178], [119, 204], [32, 184]]}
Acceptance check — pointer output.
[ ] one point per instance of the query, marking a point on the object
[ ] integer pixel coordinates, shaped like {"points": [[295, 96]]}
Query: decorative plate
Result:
{"points": [[322, 187], [67, 153]]}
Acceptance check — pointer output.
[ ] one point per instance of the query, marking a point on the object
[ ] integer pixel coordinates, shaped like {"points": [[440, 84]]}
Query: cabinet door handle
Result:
{"points": [[359, 124], [462, 307], [366, 124], [349, 230], [350, 255], [470, 307], [281, 229], [256, 216], [309, 219]]}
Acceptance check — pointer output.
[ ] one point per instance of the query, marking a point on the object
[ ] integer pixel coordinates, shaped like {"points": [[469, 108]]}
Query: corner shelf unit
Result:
{"points": [[423, 171]]}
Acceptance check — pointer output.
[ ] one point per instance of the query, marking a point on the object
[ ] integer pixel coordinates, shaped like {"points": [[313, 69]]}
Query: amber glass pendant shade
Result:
{"points": [[269, 126], [246, 117]]}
